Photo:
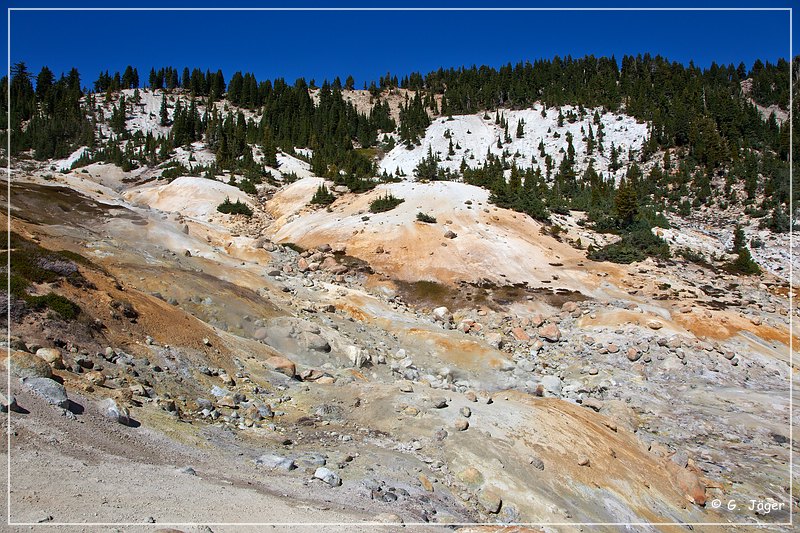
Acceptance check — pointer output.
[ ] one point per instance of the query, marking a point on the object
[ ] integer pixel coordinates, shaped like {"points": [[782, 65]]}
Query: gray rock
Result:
{"points": [[551, 384], [115, 412], [535, 462], [328, 476], [52, 391], [276, 461]]}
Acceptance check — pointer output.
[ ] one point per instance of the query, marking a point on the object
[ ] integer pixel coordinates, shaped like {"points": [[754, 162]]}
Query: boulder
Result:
{"points": [[550, 332], [490, 501], [118, 413], [52, 391], [281, 364], [276, 461], [442, 314], [520, 335], [52, 356], [26, 365], [328, 476]]}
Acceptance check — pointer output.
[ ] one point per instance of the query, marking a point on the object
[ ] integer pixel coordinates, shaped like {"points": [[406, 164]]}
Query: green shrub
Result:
{"points": [[247, 186], [237, 208], [424, 217], [323, 196], [634, 246], [385, 203], [63, 306]]}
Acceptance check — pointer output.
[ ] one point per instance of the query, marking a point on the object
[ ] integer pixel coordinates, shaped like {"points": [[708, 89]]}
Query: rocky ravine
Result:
{"points": [[217, 375]]}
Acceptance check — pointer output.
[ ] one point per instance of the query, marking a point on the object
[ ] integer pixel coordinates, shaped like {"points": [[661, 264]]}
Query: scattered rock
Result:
{"points": [[462, 424], [439, 402], [388, 518], [593, 404]]}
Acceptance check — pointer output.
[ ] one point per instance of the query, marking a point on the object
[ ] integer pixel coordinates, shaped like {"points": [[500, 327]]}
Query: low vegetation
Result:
{"points": [[323, 196], [424, 217], [234, 208], [32, 264], [384, 203]]}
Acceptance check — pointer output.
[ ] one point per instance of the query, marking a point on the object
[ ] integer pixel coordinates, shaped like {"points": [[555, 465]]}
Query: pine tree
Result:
{"points": [[164, 117]]}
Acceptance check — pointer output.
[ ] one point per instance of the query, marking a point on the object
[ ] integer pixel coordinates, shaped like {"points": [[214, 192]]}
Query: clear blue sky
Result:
{"points": [[319, 45]]}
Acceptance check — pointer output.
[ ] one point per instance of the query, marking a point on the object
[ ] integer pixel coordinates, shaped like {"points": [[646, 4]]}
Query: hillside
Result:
{"points": [[566, 328]]}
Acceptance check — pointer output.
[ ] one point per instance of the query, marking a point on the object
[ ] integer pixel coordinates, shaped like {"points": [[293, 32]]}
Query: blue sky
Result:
{"points": [[319, 45]]}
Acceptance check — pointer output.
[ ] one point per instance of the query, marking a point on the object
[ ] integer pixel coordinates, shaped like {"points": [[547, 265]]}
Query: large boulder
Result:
{"points": [[52, 391], [26, 365]]}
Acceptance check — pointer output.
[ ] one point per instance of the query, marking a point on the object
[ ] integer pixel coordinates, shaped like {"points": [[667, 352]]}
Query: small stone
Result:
{"points": [[654, 324], [471, 396], [7, 403], [612, 348], [188, 470], [95, 378], [462, 424], [633, 354], [388, 518], [583, 461], [593, 404], [426, 483], [439, 402], [405, 386], [465, 411], [535, 462], [520, 335]]}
